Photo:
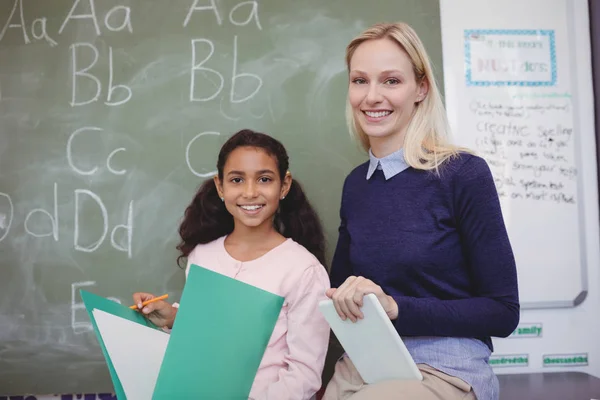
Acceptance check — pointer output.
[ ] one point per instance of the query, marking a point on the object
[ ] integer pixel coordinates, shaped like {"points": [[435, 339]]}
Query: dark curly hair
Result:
{"points": [[207, 219]]}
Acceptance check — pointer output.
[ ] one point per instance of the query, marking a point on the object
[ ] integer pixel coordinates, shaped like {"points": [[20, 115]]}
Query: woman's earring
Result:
{"points": [[282, 197], [222, 199]]}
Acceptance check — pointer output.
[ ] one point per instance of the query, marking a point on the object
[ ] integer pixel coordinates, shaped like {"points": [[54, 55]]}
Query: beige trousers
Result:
{"points": [[346, 384]]}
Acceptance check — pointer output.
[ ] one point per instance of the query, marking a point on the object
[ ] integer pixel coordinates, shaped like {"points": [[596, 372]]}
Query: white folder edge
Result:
{"points": [[372, 343], [136, 352]]}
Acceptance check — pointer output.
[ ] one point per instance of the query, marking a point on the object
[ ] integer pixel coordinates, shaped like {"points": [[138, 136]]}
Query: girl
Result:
{"points": [[421, 228], [252, 222]]}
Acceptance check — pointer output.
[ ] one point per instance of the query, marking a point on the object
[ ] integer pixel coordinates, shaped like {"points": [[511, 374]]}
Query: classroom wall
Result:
{"points": [[548, 339]]}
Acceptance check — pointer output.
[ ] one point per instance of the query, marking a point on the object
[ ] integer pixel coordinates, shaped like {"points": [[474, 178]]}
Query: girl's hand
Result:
{"points": [[348, 298], [160, 313]]}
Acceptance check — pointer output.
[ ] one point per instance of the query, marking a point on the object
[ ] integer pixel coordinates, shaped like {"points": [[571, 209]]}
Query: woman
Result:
{"points": [[421, 228]]}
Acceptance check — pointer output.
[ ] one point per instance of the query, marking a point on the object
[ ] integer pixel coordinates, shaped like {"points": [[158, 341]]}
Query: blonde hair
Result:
{"points": [[426, 144]]}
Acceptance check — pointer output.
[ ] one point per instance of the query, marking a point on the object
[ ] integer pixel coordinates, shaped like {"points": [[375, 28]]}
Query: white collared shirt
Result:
{"points": [[391, 164]]}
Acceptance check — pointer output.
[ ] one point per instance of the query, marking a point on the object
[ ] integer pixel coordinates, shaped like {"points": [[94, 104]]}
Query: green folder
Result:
{"points": [[218, 340], [93, 301]]}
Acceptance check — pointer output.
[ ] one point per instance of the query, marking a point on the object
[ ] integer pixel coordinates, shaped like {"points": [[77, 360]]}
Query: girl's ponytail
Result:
{"points": [[298, 220], [205, 220]]}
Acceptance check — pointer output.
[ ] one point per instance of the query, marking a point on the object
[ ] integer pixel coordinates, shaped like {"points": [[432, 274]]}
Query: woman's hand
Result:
{"points": [[160, 313], [348, 298]]}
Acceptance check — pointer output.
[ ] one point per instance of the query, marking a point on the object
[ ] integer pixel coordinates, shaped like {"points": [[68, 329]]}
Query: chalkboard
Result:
{"points": [[515, 97], [112, 114]]}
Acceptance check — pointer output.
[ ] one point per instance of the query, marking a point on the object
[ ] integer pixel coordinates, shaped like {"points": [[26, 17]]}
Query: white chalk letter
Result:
{"points": [[198, 67], [79, 326], [110, 83], [195, 7], [6, 225], [98, 200], [235, 76], [21, 25], [70, 151], [253, 14], [92, 15], [126, 20], [83, 72], [53, 219], [109, 159], [187, 155], [44, 34], [129, 231]]}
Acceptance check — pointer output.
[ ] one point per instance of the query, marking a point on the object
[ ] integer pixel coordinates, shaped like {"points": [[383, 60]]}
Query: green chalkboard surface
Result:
{"points": [[111, 115]]}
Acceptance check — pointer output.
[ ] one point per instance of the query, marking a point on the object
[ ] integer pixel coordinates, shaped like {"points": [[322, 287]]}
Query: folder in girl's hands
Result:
{"points": [[93, 304], [219, 337], [136, 352]]}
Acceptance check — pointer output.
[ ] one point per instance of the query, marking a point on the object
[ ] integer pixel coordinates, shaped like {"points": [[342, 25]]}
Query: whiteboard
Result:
{"points": [[511, 84]]}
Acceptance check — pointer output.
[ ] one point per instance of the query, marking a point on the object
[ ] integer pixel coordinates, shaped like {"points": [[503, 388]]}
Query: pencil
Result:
{"points": [[164, 296]]}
